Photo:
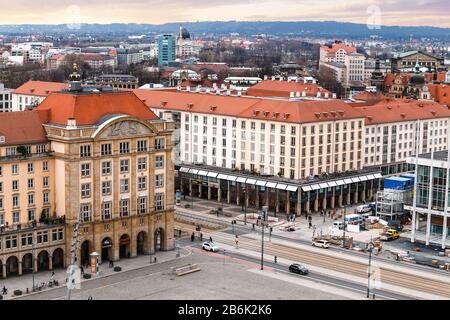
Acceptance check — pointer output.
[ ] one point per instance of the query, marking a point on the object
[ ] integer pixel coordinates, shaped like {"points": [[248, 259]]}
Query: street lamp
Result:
{"points": [[370, 248]]}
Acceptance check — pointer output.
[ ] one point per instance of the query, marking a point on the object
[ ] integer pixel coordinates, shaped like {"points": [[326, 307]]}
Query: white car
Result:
{"points": [[210, 246], [321, 244]]}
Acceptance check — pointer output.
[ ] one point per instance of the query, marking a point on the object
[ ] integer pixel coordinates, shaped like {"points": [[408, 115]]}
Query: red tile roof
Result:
{"points": [[337, 47], [403, 110], [88, 108], [254, 108], [40, 88], [440, 92], [274, 88], [23, 127]]}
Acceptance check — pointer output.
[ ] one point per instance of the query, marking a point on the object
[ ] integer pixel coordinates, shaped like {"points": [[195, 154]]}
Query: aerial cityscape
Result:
{"points": [[241, 151]]}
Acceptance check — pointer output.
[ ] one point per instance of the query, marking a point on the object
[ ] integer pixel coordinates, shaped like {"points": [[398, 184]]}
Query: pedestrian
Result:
{"points": [[253, 226], [201, 236], [4, 291], [192, 237], [179, 233], [90, 298], [52, 277], [210, 239], [310, 224]]}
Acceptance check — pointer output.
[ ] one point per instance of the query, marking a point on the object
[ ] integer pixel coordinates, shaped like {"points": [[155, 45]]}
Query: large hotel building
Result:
{"points": [[99, 156]]}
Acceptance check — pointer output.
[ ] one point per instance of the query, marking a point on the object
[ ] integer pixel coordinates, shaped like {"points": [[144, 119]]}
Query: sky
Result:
{"points": [[380, 12]]}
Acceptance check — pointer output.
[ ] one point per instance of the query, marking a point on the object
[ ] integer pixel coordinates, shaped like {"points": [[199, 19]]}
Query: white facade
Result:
{"points": [[21, 101], [5, 99]]}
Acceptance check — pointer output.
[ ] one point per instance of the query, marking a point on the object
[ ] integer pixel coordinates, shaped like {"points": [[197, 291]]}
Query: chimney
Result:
{"points": [[71, 123]]}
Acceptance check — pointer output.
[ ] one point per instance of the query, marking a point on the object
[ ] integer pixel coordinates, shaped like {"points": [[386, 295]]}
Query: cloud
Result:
{"points": [[393, 12]]}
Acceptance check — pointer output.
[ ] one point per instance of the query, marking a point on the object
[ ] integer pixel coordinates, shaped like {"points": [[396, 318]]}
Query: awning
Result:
{"points": [[184, 169], [240, 179], [271, 185], [281, 186], [222, 176], [332, 183], [306, 188], [378, 175], [251, 181], [261, 183], [202, 173], [292, 188], [340, 182], [231, 178], [315, 187], [212, 174], [348, 181], [363, 178], [355, 179], [323, 185], [193, 171], [371, 176]]}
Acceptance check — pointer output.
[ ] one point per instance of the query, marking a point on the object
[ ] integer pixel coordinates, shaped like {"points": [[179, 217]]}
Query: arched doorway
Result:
{"points": [[142, 243], [159, 236], [43, 260], [107, 250], [12, 265], [27, 263], [58, 258], [124, 246], [84, 252]]}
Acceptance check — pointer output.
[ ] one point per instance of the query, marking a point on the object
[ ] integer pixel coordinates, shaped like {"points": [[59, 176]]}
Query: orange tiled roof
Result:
{"points": [[440, 92], [402, 110], [339, 46], [40, 88], [88, 108], [23, 127], [253, 108], [370, 96], [274, 88]]}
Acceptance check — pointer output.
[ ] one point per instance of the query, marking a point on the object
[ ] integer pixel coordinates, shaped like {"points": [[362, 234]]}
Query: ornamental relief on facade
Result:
{"points": [[125, 129]]}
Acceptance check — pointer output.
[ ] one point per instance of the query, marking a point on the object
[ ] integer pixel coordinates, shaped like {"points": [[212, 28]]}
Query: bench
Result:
{"points": [[181, 271]]}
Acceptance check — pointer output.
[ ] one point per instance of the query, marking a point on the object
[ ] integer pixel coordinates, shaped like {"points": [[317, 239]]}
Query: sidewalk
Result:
{"points": [[26, 281]]}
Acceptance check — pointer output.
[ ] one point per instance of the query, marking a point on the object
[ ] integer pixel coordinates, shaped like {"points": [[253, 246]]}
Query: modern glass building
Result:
{"points": [[166, 49], [430, 210]]}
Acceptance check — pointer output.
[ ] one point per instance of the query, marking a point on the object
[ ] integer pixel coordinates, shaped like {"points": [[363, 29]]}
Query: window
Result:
{"points": [[159, 162], [31, 199], [124, 165], [30, 183], [85, 169], [106, 210], [142, 201], [85, 212], [57, 234], [142, 164], [159, 181], [16, 217], [11, 151], [124, 208], [142, 145], [159, 143], [1, 171], [124, 147], [106, 167], [106, 187], [45, 197], [85, 151], [11, 242], [27, 239], [45, 182], [159, 201], [15, 201], [40, 148], [106, 149], [124, 185], [1, 203], [142, 183], [15, 169], [85, 190], [44, 166]]}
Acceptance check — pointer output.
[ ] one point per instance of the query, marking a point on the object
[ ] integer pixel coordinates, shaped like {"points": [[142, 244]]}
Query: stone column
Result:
{"points": [[364, 193], [316, 203], [413, 226], [199, 190], [288, 203], [229, 192], [348, 198], [340, 200], [355, 195], [324, 202], [219, 193], [444, 231], [4, 270], [190, 187], [308, 203], [427, 235], [277, 201], [247, 202], [257, 196], [50, 263], [267, 196], [35, 264], [238, 193], [209, 192], [299, 202], [333, 199], [19, 270]]}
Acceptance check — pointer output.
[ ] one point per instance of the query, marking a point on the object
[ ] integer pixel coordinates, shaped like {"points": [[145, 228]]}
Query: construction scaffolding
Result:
{"points": [[390, 203]]}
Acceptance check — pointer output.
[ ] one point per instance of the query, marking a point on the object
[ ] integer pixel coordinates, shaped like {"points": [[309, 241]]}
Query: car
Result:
{"points": [[338, 224], [321, 244], [364, 208], [298, 268], [210, 246]]}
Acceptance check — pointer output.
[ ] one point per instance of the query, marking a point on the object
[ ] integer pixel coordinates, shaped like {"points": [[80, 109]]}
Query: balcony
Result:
{"points": [[32, 225]]}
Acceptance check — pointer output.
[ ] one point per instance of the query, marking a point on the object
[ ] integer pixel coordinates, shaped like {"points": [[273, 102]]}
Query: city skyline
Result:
{"points": [[385, 12]]}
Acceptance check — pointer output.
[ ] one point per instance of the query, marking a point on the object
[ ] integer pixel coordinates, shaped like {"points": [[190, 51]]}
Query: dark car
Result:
{"points": [[396, 225], [298, 268]]}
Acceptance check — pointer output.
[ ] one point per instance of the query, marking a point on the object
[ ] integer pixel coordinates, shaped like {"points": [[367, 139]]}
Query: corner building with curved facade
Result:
{"points": [[102, 155]]}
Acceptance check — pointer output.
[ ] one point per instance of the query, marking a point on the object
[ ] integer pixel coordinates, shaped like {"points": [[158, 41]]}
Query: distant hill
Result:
{"points": [[300, 28]]}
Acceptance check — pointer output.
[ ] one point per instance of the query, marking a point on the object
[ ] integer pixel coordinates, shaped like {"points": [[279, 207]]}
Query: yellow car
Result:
{"points": [[393, 233]]}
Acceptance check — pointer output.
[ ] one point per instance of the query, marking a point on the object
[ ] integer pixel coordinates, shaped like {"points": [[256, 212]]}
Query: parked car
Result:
{"points": [[396, 225], [394, 233], [321, 244], [210, 246], [298, 268], [363, 208]]}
